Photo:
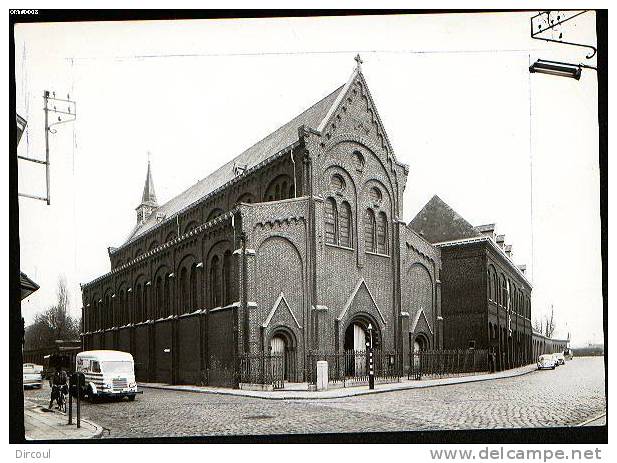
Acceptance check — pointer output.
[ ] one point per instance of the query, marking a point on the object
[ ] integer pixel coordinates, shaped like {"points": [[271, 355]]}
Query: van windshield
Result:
{"points": [[115, 367]]}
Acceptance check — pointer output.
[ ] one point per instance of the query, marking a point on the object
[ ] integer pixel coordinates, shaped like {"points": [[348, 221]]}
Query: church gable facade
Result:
{"points": [[296, 246]]}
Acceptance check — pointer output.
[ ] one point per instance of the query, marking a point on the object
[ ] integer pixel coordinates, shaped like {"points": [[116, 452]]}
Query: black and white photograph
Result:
{"points": [[309, 227]]}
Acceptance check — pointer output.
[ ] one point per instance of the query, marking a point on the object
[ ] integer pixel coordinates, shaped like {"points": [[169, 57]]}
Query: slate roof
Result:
{"points": [[437, 222], [259, 152]]}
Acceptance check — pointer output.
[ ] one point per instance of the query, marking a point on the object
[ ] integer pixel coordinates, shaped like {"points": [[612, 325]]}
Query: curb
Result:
{"points": [[471, 379], [98, 429]]}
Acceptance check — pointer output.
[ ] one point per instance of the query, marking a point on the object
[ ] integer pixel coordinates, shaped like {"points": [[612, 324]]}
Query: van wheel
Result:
{"points": [[131, 398], [553, 367]]}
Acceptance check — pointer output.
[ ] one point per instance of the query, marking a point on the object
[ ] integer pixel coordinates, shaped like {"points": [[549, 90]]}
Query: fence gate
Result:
{"points": [[277, 367]]}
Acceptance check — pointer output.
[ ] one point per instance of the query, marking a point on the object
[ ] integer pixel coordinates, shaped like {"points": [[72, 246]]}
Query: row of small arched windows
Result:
{"points": [[338, 227], [155, 299], [505, 294]]}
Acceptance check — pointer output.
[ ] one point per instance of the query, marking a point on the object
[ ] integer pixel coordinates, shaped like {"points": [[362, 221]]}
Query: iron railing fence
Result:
{"points": [[443, 363], [263, 369], [351, 367]]}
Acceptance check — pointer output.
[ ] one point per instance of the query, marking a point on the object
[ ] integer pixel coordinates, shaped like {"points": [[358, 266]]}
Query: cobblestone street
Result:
{"points": [[567, 396]]}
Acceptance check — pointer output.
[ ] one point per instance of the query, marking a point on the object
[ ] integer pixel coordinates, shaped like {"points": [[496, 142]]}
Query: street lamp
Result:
{"points": [[371, 371], [557, 68]]}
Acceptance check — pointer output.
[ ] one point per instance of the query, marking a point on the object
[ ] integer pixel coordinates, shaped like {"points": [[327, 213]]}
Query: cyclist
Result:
{"points": [[59, 388]]}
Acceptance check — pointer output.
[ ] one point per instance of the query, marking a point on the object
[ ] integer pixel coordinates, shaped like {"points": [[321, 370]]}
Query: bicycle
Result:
{"points": [[59, 394]]}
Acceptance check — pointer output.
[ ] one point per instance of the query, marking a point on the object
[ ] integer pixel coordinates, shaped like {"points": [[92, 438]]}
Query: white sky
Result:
{"points": [[452, 90]]}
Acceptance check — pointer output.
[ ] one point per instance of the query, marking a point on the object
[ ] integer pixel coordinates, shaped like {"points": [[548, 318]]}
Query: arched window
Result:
{"points": [[167, 295], [345, 225], [504, 291], [184, 296], [215, 283], [193, 288], [330, 221], [227, 283], [138, 310], [147, 303], [160, 302], [382, 233], [369, 230], [278, 188], [121, 309], [108, 310]]}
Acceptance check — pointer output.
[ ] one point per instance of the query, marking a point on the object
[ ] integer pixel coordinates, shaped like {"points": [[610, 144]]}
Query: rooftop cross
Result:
{"points": [[358, 61]]}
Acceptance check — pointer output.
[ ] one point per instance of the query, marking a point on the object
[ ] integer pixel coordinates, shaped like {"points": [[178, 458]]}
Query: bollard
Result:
{"points": [[371, 371], [70, 406], [79, 391], [322, 375]]}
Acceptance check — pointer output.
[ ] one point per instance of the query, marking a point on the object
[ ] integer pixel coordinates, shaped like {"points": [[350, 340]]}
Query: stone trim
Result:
{"points": [[352, 296], [417, 319], [276, 305]]}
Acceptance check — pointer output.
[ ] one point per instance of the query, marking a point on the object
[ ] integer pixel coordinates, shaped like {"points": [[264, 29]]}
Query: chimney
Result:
{"points": [[500, 240], [522, 268], [487, 230], [508, 250]]}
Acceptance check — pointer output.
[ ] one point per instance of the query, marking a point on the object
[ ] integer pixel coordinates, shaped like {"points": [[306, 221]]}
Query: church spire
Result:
{"points": [[148, 198]]}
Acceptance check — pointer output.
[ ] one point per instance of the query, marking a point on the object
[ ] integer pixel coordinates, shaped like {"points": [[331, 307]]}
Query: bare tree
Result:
{"points": [[538, 325], [545, 325], [550, 324], [54, 323]]}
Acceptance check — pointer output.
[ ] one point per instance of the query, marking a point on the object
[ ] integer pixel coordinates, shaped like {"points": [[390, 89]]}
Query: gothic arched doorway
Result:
{"points": [[356, 342], [282, 349]]}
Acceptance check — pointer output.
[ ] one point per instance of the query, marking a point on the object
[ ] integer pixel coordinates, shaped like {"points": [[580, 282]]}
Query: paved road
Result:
{"points": [[566, 396]]}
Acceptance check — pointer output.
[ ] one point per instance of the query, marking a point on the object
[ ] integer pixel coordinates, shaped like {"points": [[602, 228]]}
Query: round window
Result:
{"points": [[375, 195], [337, 183]]}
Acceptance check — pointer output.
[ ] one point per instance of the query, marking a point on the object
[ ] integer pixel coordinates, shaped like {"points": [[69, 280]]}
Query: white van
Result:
{"points": [[108, 373]]}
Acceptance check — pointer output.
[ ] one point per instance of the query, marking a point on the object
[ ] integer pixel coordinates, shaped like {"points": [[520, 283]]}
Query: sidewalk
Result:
{"points": [[344, 392], [42, 425]]}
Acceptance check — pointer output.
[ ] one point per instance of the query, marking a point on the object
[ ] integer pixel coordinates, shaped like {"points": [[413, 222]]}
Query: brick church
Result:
{"points": [[294, 246]]}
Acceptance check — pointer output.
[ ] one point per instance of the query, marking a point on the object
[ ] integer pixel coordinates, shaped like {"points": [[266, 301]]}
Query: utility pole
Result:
{"points": [[67, 113]]}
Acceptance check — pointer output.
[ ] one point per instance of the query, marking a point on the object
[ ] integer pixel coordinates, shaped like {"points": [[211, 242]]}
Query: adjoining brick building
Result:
{"points": [[486, 298], [296, 245], [544, 345]]}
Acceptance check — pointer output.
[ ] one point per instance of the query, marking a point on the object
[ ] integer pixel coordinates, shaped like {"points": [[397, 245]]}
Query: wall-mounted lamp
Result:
{"points": [[113, 295], [171, 275], [148, 283], [557, 68], [129, 290], [200, 265]]}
